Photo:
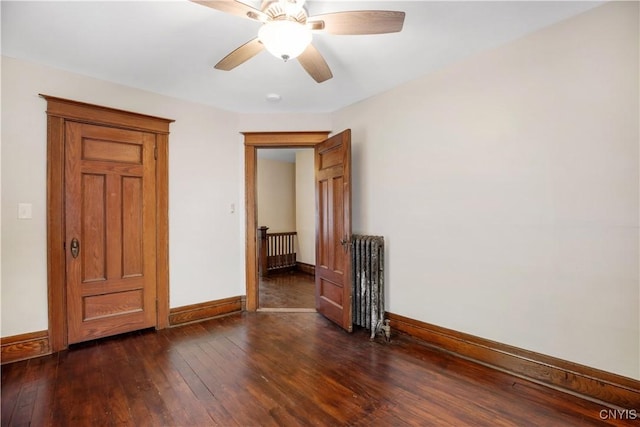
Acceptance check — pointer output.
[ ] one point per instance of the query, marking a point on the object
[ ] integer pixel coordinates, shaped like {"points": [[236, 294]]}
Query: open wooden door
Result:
{"points": [[110, 211], [333, 229]]}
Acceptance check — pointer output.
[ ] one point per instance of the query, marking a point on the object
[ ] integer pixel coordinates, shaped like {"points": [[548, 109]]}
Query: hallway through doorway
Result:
{"points": [[289, 289]]}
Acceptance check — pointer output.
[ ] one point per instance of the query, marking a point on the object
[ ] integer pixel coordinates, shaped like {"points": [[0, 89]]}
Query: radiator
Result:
{"points": [[368, 283]]}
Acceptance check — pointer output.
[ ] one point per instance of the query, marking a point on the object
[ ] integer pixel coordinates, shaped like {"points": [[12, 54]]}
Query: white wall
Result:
{"points": [[276, 194], [507, 189], [306, 206], [284, 122]]}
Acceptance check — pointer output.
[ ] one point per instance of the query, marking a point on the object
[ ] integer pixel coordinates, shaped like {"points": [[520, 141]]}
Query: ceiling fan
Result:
{"points": [[286, 31]]}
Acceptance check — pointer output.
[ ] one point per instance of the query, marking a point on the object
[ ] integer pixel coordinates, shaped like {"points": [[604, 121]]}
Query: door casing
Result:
{"points": [[59, 111], [252, 142]]}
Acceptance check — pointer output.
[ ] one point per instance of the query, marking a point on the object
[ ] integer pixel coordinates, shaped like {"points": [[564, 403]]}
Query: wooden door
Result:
{"points": [[333, 229], [110, 231]]}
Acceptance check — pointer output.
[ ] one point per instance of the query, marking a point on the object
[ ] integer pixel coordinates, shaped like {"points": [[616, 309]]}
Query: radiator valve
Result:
{"points": [[387, 330]]}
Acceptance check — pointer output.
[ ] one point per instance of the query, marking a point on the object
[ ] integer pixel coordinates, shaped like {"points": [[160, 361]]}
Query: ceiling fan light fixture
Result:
{"points": [[285, 39]]}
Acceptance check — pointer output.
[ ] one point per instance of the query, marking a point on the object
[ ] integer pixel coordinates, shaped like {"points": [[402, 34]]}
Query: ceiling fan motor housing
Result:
{"points": [[286, 9]]}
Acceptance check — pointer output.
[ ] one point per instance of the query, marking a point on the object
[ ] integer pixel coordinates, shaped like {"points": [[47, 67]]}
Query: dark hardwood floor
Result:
{"points": [[291, 289], [273, 369]]}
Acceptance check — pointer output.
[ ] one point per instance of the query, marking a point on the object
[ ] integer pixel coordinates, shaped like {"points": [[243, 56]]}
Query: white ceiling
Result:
{"points": [[170, 47]]}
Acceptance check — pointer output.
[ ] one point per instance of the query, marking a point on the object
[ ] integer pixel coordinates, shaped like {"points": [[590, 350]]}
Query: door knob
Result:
{"points": [[75, 247]]}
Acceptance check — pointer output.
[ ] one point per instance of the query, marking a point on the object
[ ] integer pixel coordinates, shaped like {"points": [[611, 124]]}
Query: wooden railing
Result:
{"points": [[276, 251]]}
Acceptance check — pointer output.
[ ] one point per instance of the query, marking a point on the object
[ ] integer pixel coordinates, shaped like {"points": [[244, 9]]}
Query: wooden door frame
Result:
{"points": [[59, 111], [252, 142]]}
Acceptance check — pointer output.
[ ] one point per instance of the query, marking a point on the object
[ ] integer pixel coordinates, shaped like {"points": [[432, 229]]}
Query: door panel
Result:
{"points": [[333, 234], [110, 211], [132, 248], [94, 227]]}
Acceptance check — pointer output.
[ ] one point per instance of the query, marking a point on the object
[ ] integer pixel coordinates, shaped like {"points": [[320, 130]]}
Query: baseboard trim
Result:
{"points": [[24, 346], [205, 310], [590, 383], [306, 268]]}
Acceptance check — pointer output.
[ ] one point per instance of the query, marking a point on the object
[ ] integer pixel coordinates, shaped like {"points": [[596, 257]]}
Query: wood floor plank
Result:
{"points": [[11, 386], [275, 369], [281, 364], [46, 384], [79, 384], [183, 363], [291, 289], [37, 381], [126, 380], [254, 385], [171, 388]]}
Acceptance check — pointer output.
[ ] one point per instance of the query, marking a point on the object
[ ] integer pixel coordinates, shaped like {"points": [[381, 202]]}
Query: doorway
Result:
{"points": [[253, 142], [286, 218], [332, 179]]}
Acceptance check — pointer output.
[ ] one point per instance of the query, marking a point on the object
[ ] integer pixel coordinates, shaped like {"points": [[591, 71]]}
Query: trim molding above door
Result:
{"points": [[253, 141], [60, 110]]}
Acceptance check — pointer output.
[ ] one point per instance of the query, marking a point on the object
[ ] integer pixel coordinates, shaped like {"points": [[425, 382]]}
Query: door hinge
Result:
{"points": [[155, 152]]}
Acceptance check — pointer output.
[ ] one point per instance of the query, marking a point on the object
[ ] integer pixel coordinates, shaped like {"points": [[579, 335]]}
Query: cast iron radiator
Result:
{"points": [[368, 283]]}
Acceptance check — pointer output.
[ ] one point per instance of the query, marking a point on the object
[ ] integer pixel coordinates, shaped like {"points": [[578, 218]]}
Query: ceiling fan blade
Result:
{"points": [[234, 7], [358, 22], [313, 62], [240, 55]]}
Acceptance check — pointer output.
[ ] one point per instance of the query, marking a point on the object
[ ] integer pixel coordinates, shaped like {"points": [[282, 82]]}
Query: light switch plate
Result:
{"points": [[24, 210]]}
